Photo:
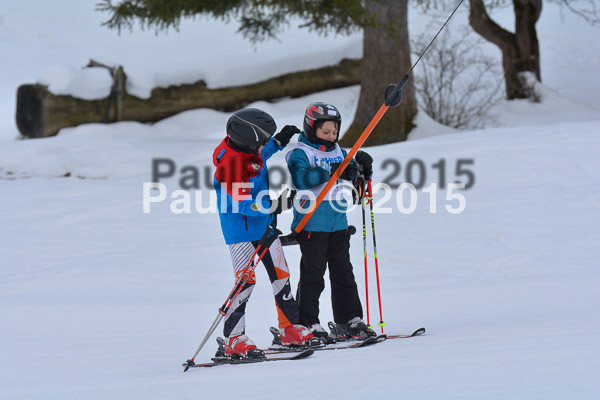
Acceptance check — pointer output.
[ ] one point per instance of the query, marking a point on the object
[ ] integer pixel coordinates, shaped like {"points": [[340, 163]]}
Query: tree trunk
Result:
{"points": [[41, 113], [520, 50], [386, 58]]}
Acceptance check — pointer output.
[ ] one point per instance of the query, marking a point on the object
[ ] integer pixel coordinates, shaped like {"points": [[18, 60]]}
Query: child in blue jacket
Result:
{"points": [[240, 179], [325, 240]]}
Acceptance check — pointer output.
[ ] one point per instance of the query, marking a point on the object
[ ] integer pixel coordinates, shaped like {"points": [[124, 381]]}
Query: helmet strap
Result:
{"points": [[240, 148]]}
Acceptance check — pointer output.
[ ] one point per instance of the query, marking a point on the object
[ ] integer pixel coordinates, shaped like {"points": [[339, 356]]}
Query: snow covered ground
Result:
{"points": [[99, 300]]}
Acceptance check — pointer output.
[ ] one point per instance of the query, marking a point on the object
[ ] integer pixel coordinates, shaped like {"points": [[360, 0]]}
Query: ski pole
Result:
{"points": [[240, 282], [366, 271], [265, 242], [393, 97], [370, 201]]}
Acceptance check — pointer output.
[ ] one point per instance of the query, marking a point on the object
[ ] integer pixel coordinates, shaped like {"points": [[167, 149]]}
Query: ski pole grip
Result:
{"points": [[393, 93]]}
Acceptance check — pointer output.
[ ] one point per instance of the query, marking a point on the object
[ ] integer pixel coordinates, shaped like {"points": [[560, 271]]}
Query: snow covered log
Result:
{"points": [[41, 113]]}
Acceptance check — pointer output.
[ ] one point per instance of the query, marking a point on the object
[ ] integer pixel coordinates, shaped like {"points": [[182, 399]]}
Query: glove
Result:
{"points": [[366, 163], [349, 174], [284, 202], [286, 133]]}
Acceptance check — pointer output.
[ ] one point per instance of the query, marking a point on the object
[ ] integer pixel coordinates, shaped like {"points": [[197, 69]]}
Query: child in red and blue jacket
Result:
{"points": [[242, 183]]}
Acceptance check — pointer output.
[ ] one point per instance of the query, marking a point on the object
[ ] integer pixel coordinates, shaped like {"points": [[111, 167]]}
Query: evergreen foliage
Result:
{"points": [[258, 19]]}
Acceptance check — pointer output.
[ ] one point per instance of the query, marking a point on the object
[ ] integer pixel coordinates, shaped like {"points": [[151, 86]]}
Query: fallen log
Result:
{"points": [[41, 113]]}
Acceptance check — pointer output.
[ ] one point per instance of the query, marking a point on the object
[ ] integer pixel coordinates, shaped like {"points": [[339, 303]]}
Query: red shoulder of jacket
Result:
{"points": [[235, 169]]}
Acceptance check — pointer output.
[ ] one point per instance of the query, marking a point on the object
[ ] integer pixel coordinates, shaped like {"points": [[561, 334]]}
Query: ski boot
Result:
{"points": [[355, 329], [295, 337], [238, 347], [318, 331]]}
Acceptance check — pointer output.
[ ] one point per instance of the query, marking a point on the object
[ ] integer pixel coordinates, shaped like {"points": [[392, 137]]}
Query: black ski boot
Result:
{"points": [[318, 331], [355, 329]]}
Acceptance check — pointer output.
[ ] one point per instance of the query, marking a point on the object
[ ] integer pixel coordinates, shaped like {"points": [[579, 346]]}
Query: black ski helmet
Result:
{"points": [[320, 112], [250, 128]]}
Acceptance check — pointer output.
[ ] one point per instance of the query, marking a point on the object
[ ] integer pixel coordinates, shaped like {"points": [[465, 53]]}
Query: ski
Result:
{"points": [[253, 356], [300, 352], [360, 343], [334, 346], [234, 361], [418, 332], [349, 344]]}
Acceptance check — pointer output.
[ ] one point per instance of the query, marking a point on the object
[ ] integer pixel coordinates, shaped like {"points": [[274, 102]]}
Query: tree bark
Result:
{"points": [[386, 58], [520, 50], [41, 113]]}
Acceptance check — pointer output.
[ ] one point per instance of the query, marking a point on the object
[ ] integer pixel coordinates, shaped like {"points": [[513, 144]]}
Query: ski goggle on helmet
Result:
{"points": [[250, 128], [316, 113]]}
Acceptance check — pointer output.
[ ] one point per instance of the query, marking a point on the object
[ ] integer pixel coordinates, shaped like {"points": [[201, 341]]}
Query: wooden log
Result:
{"points": [[41, 113]]}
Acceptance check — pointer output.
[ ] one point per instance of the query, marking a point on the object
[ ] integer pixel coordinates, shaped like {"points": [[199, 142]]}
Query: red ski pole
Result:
{"points": [[370, 201], [366, 271], [265, 242]]}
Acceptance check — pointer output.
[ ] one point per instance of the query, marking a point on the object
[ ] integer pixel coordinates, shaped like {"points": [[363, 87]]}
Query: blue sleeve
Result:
{"points": [[270, 148], [303, 175]]}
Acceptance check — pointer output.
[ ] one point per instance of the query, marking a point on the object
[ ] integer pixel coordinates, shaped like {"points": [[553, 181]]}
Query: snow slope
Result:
{"points": [[99, 300]]}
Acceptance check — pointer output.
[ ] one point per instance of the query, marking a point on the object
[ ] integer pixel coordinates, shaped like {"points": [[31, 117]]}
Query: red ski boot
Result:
{"points": [[242, 346], [296, 335]]}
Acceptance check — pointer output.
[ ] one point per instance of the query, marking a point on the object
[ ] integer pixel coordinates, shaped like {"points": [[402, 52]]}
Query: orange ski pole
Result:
{"points": [[393, 97]]}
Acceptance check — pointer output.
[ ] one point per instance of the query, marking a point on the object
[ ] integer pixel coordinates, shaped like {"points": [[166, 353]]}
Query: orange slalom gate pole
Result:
{"points": [[393, 98]]}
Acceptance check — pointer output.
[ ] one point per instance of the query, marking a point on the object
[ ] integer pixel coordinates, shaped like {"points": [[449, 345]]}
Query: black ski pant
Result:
{"points": [[320, 250]]}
